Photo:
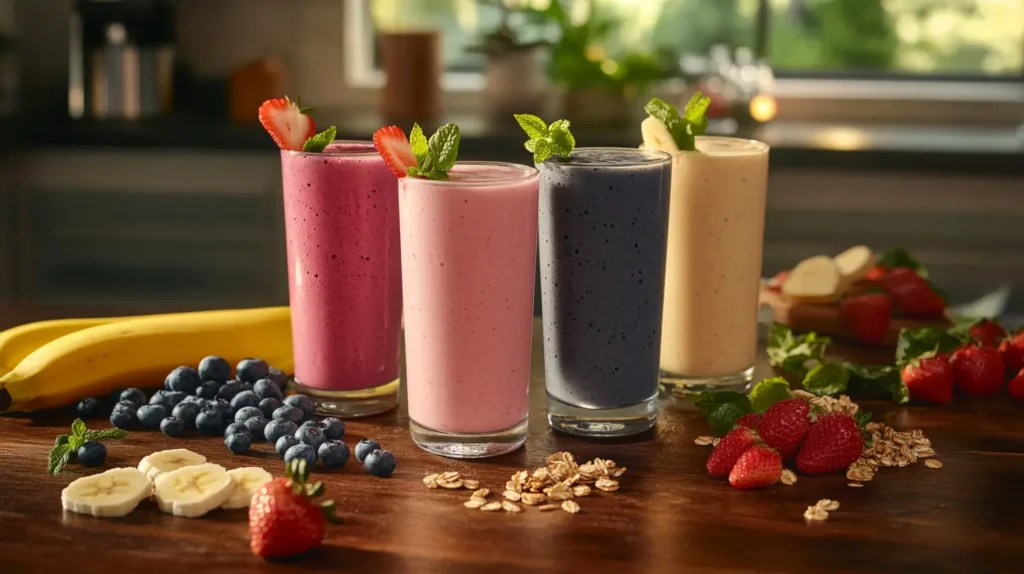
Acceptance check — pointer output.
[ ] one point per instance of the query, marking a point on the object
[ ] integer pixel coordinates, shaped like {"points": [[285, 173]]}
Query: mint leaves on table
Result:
{"points": [[683, 128], [768, 392], [66, 445], [436, 156], [546, 140], [928, 341], [319, 142], [722, 408]]}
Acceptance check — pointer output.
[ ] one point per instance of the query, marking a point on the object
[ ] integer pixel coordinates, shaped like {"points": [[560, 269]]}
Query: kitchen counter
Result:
{"points": [[668, 516]]}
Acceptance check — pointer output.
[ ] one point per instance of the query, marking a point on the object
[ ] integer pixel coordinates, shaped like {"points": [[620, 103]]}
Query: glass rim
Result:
{"points": [[653, 157], [351, 153], [754, 146], [526, 173]]}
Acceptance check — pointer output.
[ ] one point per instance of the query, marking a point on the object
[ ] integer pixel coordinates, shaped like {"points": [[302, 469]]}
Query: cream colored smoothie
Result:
{"points": [[713, 264]]}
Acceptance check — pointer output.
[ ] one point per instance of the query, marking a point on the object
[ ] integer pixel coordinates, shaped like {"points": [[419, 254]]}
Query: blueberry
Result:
{"points": [[208, 390], [310, 435], [229, 390], [278, 428], [380, 463], [175, 397], [279, 378], [244, 399], [235, 428], [88, 408], [124, 419], [334, 454], [245, 413], [268, 406], [210, 422], [308, 424], [289, 413], [161, 398], [301, 450], [302, 402], [92, 453], [267, 389], [247, 387], [238, 443], [151, 415], [126, 406], [284, 443], [214, 368], [333, 428], [183, 379], [257, 427], [134, 396], [219, 405], [365, 447], [194, 399], [172, 426], [252, 370], [187, 412]]}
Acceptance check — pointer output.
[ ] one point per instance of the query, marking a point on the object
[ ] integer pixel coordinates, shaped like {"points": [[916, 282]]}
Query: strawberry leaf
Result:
{"points": [[328, 507], [314, 490]]}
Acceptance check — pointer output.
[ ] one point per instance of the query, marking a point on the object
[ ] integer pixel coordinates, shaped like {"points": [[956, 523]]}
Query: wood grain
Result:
{"points": [[669, 516]]}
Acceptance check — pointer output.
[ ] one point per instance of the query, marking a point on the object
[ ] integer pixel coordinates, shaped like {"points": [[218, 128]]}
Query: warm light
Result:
{"points": [[609, 67], [763, 108], [844, 139], [595, 53]]}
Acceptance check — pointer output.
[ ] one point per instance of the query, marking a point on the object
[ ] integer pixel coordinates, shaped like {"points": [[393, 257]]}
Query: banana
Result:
{"points": [[115, 492], [247, 480], [855, 263], [98, 360], [167, 460], [192, 491], [18, 342], [656, 136], [814, 279]]}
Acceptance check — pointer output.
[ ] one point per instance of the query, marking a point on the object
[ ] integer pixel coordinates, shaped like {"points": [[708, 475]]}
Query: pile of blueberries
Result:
{"points": [[250, 407]]}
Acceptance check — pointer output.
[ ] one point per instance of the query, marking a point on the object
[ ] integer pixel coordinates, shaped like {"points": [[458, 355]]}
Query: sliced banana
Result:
{"points": [[167, 460], [815, 279], [656, 136], [247, 480], [115, 492], [855, 263], [192, 491]]}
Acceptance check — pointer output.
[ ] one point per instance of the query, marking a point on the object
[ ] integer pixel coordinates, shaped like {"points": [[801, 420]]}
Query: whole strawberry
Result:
{"points": [[987, 333], [832, 444], [912, 294], [284, 520], [749, 420], [784, 425], [729, 450], [867, 316], [1012, 351], [1016, 387], [757, 468], [978, 370], [929, 379]]}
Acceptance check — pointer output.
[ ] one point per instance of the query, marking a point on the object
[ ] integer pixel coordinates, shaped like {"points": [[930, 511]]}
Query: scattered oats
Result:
{"points": [[451, 485], [926, 452], [607, 485], [512, 495], [701, 440], [427, 480], [470, 484], [829, 504], [509, 506], [933, 463], [450, 475], [481, 493], [856, 484], [533, 498], [511, 485], [788, 477], [432, 484], [580, 490], [520, 478], [617, 472], [491, 507], [802, 394], [570, 506], [716, 441], [474, 503], [548, 507], [559, 492], [815, 513]]}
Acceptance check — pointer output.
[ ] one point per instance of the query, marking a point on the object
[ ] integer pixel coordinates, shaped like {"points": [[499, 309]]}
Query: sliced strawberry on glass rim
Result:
{"points": [[394, 147], [286, 123]]}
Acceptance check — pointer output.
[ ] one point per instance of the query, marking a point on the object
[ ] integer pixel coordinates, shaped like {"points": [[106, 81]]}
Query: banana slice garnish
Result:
{"points": [[247, 479], [115, 492], [167, 460], [192, 491], [656, 136]]}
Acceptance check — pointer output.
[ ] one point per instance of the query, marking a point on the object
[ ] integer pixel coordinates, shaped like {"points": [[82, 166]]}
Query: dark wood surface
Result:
{"points": [[668, 516]]}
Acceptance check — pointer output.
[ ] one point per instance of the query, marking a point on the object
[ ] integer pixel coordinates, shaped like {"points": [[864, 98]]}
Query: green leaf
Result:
{"points": [[863, 418], [534, 127], [444, 147], [877, 381], [314, 490], [61, 439], [709, 401], [827, 379], [923, 341], [418, 141], [318, 142], [900, 257], [78, 427], [723, 418], [795, 354], [76, 441], [105, 434], [676, 125], [412, 172], [328, 507], [695, 113], [542, 150], [768, 392], [562, 141], [58, 458]]}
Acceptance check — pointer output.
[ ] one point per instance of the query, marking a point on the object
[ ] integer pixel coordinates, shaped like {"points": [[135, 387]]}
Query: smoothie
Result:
{"points": [[603, 227], [344, 276], [713, 268], [469, 259]]}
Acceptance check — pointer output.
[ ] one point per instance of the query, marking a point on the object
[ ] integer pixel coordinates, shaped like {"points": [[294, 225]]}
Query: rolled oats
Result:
{"points": [[481, 493], [815, 513], [510, 506], [451, 485], [580, 490], [430, 479], [607, 485], [788, 477], [570, 506], [933, 463], [512, 495], [856, 484], [533, 498], [703, 440], [470, 484], [559, 492], [548, 507], [491, 506], [474, 503], [828, 504]]}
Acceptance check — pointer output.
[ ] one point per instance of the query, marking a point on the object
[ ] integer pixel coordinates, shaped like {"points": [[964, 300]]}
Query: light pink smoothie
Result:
{"points": [[344, 267], [469, 252]]}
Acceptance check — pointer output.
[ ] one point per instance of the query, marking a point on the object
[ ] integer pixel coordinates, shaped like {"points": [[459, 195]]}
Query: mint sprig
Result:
{"points": [[66, 445], [436, 156], [546, 140], [684, 128], [319, 142]]}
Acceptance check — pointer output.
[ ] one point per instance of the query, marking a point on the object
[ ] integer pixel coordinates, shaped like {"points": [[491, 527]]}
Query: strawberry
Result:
{"points": [[757, 468], [978, 370], [394, 147], [729, 450], [1016, 386], [286, 123], [1012, 351], [283, 518], [749, 420], [988, 333], [784, 425], [929, 379], [832, 444], [867, 316], [912, 294], [876, 274], [775, 283]]}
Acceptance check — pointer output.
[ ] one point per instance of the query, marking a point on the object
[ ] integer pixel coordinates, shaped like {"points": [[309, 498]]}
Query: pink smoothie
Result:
{"points": [[469, 258], [344, 266]]}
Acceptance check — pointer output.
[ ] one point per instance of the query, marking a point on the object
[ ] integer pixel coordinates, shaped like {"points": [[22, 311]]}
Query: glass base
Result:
{"points": [[615, 422], [468, 445], [351, 404], [682, 385]]}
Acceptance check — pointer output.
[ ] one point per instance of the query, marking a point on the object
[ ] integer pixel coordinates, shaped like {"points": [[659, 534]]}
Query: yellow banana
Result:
{"points": [[18, 342], [140, 352]]}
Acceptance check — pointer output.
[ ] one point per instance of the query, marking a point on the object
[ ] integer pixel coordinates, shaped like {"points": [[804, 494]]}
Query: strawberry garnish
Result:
{"points": [[988, 333], [929, 380], [284, 520], [784, 425], [758, 467], [832, 444], [978, 370], [394, 147], [867, 316], [912, 294], [286, 123], [729, 450]]}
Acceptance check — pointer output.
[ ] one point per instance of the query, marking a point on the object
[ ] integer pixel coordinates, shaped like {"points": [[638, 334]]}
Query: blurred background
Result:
{"points": [[134, 176]]}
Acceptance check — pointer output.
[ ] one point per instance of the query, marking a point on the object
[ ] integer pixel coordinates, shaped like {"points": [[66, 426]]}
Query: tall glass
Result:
{"points": [[603, 226], [344, 277], [713, 270], [469, 256]]}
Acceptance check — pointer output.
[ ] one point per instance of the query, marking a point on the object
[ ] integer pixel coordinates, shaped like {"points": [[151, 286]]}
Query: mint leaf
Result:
{"points": [[900, 257], [723, 418], [546, 141], [78, 427], [694, 113], [676, 125], [418, 141], [413, 172], [877, 381], [61, 439], [318, 142], [534, 127], [795, 354], [76, 441], [709, 401], [921, 341], [768, 392], [105, 434], [444, 147], [562, 140], [58, 458], [827, 379]]}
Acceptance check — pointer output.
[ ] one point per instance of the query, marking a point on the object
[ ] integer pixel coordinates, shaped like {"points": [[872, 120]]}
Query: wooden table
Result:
{"points": [[668, 516]]}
